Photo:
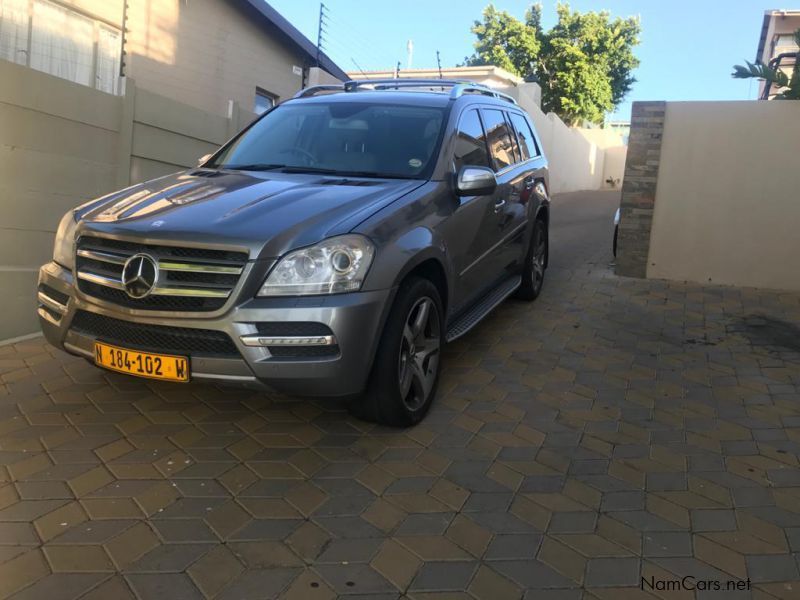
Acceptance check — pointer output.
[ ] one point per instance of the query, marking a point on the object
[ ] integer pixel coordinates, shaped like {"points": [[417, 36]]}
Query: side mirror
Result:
{"points": [[475, 181], [204, 158]]}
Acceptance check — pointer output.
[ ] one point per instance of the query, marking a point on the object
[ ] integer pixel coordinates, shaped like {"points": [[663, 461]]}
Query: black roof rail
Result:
{"points": [[316, 89], [459, 87]]}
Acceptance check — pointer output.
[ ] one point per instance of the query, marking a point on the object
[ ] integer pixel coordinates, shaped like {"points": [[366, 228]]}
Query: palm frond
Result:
{"points": [[760, 71]]}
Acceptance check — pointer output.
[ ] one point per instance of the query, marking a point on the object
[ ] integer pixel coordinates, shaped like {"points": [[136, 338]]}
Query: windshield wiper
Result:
{"points": [[278, 167], [252, 167], [374, 174], [298, 169], [309, 169]]}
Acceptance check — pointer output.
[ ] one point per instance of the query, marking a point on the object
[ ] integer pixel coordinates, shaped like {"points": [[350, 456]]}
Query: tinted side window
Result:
{"points": [[527, 144], [514, 144], [499, 137], [471, 142]]}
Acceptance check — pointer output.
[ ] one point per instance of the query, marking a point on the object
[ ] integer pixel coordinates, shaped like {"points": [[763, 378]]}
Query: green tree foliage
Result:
{"points": [[778, 79], [583, 64]]}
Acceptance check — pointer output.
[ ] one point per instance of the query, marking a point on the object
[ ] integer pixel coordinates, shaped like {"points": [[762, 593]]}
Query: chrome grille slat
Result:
{"points": [[195, 291], [51, 303], [189, 279], [198, 268], [114, 259], [100, 279]]}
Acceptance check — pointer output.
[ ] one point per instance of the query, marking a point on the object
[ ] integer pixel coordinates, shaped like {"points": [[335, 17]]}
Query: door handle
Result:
{"points": [[499, 204]]}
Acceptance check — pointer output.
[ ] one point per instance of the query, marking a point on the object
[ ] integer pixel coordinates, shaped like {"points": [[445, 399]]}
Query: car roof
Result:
{"points": [[431, 99], [410, 92]]}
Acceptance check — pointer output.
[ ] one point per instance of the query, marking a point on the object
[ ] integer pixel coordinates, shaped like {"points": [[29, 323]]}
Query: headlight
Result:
{"points": [[64, 248], [331, 267]]}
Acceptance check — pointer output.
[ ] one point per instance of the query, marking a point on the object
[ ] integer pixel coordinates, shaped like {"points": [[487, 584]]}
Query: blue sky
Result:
{"points": [[687, 52]]}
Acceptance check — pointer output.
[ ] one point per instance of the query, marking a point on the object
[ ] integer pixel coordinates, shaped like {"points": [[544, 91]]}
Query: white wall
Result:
{"points": [[580, 159], [727, 206]]}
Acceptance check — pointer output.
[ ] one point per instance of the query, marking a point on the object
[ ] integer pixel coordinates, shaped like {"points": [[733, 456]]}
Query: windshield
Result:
{"points": [[353, 138]]}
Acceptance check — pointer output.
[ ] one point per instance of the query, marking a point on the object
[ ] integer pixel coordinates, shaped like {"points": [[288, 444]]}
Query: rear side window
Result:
{"points": [[514, 145], [527, 144], [499, 137], [471, 142]]}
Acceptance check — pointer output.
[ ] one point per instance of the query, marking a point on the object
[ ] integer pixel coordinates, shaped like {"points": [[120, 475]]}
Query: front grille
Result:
{"points": [[59, 297], [155, 338], [56, 316], [189, 279]]}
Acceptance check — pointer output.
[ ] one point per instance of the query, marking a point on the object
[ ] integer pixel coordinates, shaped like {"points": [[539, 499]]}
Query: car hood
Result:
{"points": [[267, 213]]}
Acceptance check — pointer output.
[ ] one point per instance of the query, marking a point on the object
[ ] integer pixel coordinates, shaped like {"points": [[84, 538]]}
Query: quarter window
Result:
{"points": [[499, 137], [471, 142], [527, 144]]}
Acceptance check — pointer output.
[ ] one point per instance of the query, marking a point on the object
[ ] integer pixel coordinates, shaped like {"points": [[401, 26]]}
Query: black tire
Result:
{"points": [[403, 361], [535, 263]]}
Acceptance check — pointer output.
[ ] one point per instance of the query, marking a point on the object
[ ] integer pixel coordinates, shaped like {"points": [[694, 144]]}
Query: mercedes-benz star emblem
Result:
{"points": [[139, 275]]}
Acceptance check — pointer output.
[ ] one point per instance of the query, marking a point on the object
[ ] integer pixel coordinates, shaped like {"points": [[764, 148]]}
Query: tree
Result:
{"points": [[774, 76], [583, 64]]}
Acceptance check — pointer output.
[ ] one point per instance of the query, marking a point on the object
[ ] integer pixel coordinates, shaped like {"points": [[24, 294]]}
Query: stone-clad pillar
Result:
{"points": [[639, 188]]}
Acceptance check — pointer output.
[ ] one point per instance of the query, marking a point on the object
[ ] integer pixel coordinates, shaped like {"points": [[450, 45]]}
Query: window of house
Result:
{"points": [[109, 42], [50, 37], [785, 42], [470, 146], [14, 21], [264, 101], [499, 137], [527, 143], [62, 43]]}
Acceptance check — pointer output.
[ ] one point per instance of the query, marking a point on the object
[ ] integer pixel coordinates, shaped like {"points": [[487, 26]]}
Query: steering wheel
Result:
{"points": [[310, 158]]}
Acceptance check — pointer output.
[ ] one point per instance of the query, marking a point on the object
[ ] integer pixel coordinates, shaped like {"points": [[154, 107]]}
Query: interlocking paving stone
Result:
{"points": [[176, 586], [713, 520], [61, 586], [614, 572], [667, 543], [436, 576], [615, 428], [772, 567]]}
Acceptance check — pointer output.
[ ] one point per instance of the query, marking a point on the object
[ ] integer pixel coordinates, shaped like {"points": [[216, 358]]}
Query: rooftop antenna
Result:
{"points": [[410, 52], [321, 28], [439, 64]]}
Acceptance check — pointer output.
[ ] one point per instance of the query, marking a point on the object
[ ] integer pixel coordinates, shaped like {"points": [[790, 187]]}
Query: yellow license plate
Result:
{"points": [[142, 364]]}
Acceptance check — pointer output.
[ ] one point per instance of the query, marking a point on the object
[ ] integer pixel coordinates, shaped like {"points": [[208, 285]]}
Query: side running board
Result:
{"points": [[481, 308]]}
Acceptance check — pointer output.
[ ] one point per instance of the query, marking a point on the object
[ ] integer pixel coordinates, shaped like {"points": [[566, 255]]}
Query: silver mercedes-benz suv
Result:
{"points": [[329, 249]]}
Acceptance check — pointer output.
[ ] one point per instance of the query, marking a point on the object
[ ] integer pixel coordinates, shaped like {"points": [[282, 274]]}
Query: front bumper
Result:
{"points": [[355, 321]]}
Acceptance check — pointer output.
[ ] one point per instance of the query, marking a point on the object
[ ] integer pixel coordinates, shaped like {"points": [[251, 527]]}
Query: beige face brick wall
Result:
{"points": [[727, 204], [205, 53], [62, 144], [59, 144]]}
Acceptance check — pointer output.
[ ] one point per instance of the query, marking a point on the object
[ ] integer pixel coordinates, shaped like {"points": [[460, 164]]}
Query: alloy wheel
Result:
{"points": [[539, 256], [419, 353]]}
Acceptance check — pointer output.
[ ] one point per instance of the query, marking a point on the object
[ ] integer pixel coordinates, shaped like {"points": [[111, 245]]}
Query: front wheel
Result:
{"points": [[535, 263], [405, 375]]}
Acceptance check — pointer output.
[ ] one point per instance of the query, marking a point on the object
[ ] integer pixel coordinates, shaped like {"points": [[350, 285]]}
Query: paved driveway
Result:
{"points": [[614, 430]]}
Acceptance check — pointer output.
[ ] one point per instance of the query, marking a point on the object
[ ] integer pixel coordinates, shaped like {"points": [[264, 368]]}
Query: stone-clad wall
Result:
{"points": [[639, 188]]}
